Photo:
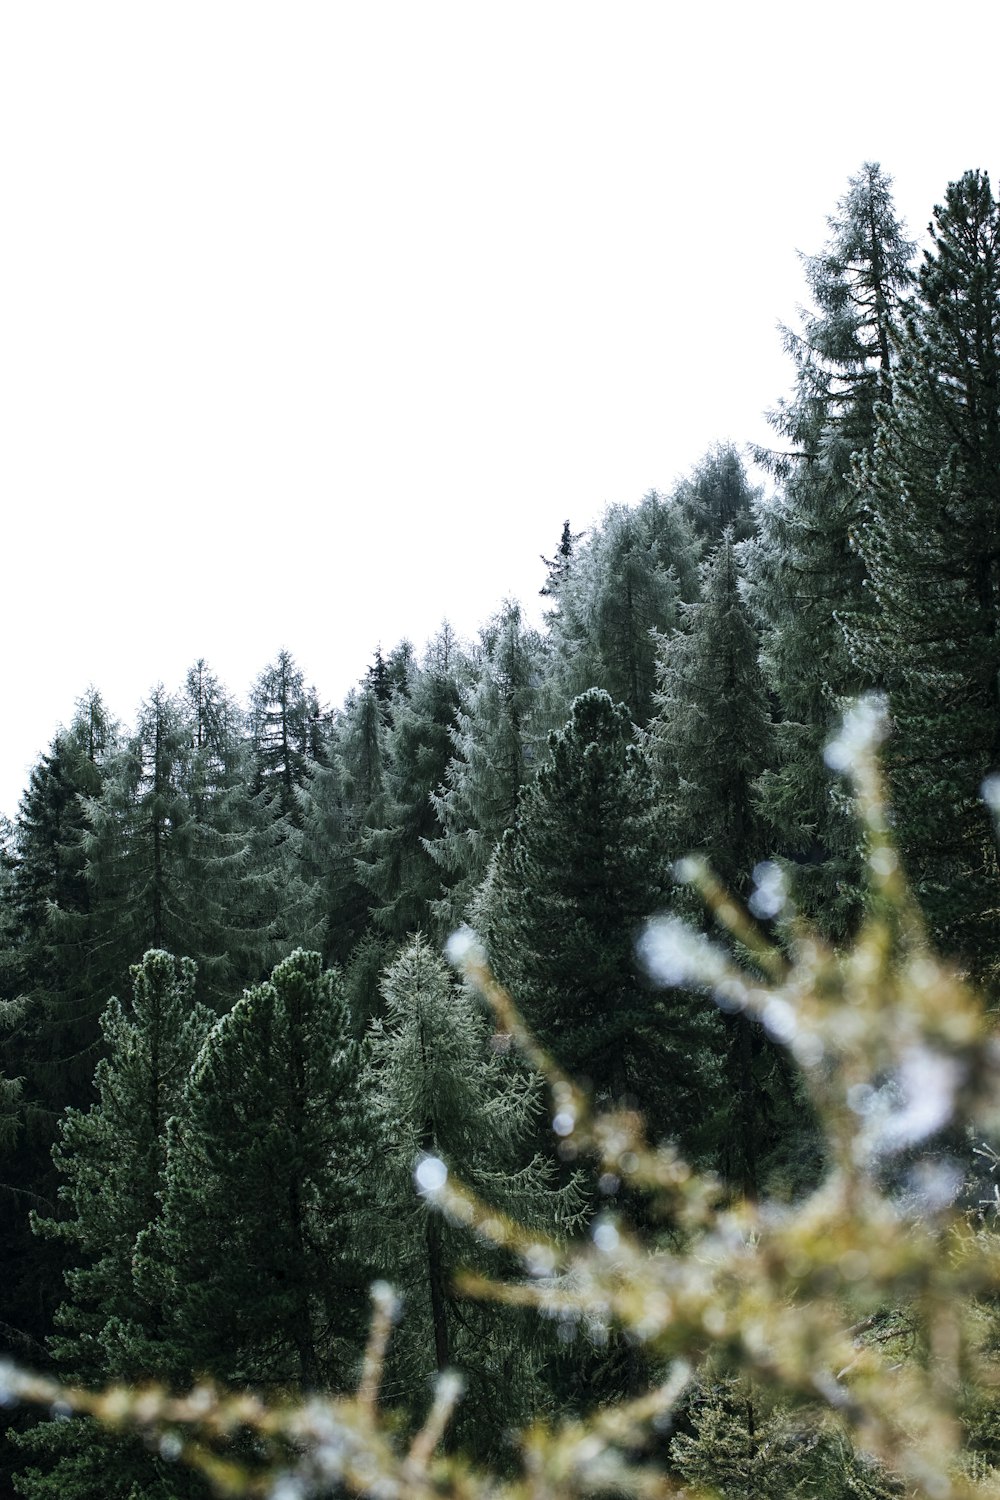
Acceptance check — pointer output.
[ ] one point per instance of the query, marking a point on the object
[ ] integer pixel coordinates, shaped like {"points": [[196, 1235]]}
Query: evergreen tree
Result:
{"points": [[55, 984], [286, 734], [710, 742], [393, 862], [493, 743], [168, 848], [718, 497], [573, 878], [112, 1158], [437, 1089], [626, 583], [250, 1257], [806, 574], [931, 543], [558, 567]]}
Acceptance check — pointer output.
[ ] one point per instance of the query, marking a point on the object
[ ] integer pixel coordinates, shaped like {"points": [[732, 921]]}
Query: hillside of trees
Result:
{"points": [[228, 1032]]}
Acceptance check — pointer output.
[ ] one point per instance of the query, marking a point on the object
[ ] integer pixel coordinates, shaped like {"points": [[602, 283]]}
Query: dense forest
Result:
{"points": [[229, 1034]]}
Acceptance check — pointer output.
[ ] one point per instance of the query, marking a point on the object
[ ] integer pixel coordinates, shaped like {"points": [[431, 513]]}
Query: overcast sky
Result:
{"points": [[317, 320]]}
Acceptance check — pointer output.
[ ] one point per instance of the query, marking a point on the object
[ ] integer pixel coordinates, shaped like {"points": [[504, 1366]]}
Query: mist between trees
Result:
{"points": [[706, 1214]]}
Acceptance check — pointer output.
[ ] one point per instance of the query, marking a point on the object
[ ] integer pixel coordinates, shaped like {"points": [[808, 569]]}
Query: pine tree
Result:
{"points": [[112, 1158], [806, 574], [436, 1089], [931, 543], [250, 1257], [573, 878]]}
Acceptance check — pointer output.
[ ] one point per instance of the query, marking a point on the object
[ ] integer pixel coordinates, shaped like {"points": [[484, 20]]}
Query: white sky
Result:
{"points": [[317, 320]]}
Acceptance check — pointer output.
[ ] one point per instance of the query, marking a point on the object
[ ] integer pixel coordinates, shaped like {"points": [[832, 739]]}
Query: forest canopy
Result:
{"points": [[230, 1039]]}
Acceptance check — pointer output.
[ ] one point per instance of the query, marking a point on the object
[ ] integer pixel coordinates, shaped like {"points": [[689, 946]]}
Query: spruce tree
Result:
{"points": [[931, 544], [806, 573], [573, 878]]}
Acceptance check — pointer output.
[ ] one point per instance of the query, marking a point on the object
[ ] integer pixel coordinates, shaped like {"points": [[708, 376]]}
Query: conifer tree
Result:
{"points": [[437, 1090], [493, 742], [112, 1158], [717, 496], [806, 574], [573, 878], [709, 743], [250, 1257], [931, 543], [168, 849], [625, 583], [286, 732], [393, 861], [56, 979]]}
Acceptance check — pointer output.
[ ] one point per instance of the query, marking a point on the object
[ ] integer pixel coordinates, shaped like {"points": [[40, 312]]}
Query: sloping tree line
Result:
{"points": [[207, 1179]]}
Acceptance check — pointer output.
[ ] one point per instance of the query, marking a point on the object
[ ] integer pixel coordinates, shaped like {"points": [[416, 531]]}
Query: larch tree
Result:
{"points": [[393, 863], [626, 583], [493, 742], [709, 743], [807, 574], [931, 545]]}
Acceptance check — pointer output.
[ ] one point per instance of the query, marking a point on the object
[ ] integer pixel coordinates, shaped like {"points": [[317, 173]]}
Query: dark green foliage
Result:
{"points": [[806, 575], [393, 863], [574, 877], [55, 983], [250, 1259], [931, 543], [112, 1158], [169, 842]]}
